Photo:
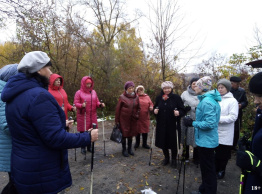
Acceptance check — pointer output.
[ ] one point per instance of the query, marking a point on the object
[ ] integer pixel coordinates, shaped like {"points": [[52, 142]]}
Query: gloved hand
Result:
{"points": [[187, 108], [188, 121], [248, 161]]}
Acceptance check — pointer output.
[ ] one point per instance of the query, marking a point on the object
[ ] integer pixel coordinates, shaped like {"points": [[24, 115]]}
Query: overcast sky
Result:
{"points": [[225, 26]]}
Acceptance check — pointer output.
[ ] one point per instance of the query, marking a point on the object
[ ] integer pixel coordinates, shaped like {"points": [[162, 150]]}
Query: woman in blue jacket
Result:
{"points": [[206, 132], [5, 137], [37, 124]]}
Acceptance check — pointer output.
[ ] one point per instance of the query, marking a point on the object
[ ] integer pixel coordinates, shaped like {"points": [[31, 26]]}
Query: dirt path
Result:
{"points": [[114, 173]]}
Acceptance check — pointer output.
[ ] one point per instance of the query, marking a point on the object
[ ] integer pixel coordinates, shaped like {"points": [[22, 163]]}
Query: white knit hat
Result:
{"points": [[33, 62], [167, 84], [140, 86]]}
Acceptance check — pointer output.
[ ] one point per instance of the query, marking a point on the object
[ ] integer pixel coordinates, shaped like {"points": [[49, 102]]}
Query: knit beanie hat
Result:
{"points": [[8, 71], [140, 86], [204, 83], [167, 84], [33, 62], [194, 79], [225, 83], [255, 84], [129, 84], [88, 81]]}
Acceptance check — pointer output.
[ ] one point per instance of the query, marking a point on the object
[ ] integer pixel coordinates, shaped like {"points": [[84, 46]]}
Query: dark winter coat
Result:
{"points": [[252, 179], [127, 114], [86, 116], [240, 95], [144, 116], [59, 93], [167, 123], [37, 124]]}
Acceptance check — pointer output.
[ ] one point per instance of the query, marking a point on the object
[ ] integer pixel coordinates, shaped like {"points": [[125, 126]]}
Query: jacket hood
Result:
{"points": [[214, 94], [52, 79], [83, 84], [16, 85]]}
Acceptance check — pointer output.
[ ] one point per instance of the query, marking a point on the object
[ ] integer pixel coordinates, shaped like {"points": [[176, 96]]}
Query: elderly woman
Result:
{"points": [[228, 116], [191, 101], [86, 101], [56, 84], [126, 116], [168, 109], [146, 106]]}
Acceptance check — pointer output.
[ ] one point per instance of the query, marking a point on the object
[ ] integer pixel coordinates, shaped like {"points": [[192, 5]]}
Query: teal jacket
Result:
{"points": [[207, 118]]}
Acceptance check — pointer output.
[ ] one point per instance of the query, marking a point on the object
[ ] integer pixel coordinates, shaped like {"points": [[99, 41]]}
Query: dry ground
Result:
{"points": [[114, 173]]}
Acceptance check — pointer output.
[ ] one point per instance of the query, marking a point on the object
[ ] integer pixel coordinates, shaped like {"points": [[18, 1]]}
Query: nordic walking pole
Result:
{"points": [[177, 142], [103, 129], [151, 149], [74, 130], [92, 161], [85, 123]]}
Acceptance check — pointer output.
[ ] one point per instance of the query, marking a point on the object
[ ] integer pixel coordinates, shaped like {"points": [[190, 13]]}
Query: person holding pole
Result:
{"points": [[86, 102], [206, 132], [56, 84], [168, 109], [143, 122], [37, 124]]}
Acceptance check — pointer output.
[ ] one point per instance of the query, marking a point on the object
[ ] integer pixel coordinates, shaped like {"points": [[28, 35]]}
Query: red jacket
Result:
{"points": [[59, 93], [144, 117], [88, 114], [127, 114]]}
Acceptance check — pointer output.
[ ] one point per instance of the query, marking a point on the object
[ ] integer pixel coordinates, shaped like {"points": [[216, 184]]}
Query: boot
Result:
{"points": [[173, 163], [83, 150], [124, 151], [89, 148], [166, 160], [137, 141], [130, 146], [144, 135]]}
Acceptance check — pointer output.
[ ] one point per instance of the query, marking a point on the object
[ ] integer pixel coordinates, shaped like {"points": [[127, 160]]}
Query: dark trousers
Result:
{"points": [[173, 153], [223, 154], [208, 170], [236, 131]]}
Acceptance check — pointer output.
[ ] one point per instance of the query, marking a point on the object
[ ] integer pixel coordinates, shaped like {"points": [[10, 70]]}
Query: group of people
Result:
{"points": [[34, 125]]}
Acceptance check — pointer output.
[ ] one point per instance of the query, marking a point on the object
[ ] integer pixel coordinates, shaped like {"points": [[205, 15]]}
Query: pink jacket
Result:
{"points": [[88, 114], [144, 117]]}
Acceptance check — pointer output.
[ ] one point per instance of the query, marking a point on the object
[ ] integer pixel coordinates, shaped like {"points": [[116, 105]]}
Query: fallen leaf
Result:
{"points": [[174, 177], [147, 183], [117, 187], [82, 188]]}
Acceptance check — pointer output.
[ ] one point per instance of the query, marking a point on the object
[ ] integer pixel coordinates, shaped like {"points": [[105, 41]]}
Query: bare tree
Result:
{"points": [[168, 29]]}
